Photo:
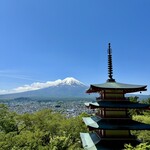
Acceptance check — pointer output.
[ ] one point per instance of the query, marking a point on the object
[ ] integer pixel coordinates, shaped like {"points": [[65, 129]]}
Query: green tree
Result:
{"points": [[43, 130], [142, 146], [7, 121], [132, 112], [144, 136]]}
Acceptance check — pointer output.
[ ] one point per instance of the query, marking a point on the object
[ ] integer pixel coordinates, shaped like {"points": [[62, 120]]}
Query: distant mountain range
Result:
{"points": [[67, 88]]}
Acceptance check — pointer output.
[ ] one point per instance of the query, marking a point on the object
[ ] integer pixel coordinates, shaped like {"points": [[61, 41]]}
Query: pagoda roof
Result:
{"points": [[96, 122], [116, 104], [127, 88], [91, 141]]}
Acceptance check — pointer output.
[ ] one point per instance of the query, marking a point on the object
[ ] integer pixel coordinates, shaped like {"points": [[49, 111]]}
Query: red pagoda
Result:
{"points": [[110, 128]]}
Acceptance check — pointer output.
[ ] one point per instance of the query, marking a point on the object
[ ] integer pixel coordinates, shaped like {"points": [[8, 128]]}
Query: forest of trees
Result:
{"points": [[141, 116], [47, 130], [42, 130]]}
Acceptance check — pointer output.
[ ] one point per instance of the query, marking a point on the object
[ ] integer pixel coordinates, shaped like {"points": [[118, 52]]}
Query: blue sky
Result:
{"points": [[46, 40]]}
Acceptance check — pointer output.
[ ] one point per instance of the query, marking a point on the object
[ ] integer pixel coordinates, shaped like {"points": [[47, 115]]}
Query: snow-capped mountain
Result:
{"points": [[67, 81], [68, 87], [40, 85], [71, 81]]}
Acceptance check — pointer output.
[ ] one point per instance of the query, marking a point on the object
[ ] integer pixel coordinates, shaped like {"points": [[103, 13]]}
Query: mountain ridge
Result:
{"points": [[68, 87], [40, 85]]}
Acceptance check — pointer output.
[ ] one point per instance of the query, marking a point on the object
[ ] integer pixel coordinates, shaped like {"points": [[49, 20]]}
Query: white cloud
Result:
{"points": [[36, 86]]}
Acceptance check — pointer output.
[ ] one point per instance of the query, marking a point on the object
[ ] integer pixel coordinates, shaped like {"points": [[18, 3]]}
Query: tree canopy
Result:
{"points": [[42, 130]]}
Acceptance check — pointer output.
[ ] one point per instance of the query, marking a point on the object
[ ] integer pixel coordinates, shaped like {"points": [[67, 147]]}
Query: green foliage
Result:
{"points": [[142, 146], [134, 99], [142, 118], [144, 136], [146, 101], [134, 111], [7, 121], [43, 130]]}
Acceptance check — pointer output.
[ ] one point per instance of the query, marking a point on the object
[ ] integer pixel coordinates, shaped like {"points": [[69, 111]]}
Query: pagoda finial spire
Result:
{"points": [[110, 68]]}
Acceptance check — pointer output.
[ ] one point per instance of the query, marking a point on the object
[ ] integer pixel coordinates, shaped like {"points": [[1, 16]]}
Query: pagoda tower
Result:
{"points": [[110, 128]]}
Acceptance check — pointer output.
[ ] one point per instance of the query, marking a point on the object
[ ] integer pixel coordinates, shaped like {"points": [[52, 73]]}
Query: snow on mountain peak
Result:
{"points": [[71, 81]]}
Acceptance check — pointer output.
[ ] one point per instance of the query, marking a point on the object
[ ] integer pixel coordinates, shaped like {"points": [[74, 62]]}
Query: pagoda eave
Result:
{"points": [[114, 124], [91, 141], [126, 88], [116, 104]]}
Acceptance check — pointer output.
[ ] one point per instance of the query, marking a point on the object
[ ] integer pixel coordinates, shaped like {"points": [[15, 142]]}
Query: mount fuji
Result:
{"points": [[66, 88]]}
